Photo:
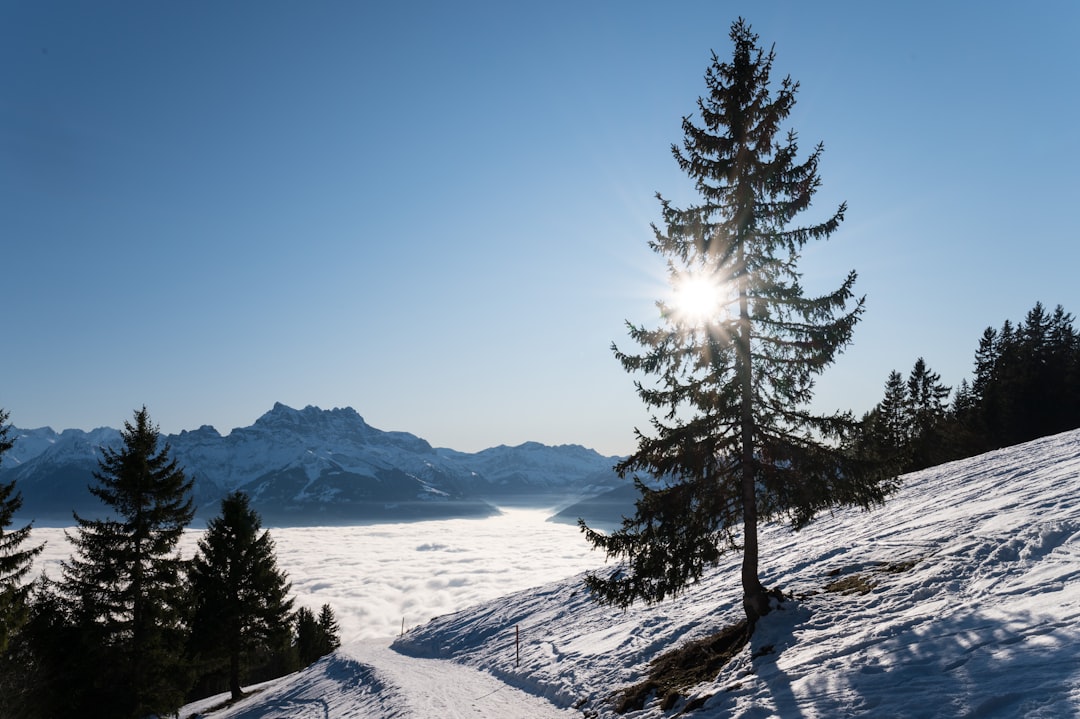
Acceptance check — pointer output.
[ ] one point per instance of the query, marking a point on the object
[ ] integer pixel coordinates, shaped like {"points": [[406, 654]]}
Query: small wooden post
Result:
{"points": [[403, 626], [517, 644]]}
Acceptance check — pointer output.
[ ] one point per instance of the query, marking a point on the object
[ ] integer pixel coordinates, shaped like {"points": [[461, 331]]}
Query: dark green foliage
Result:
{"points": [[1027, 381], [927, 406], [1026, 385], [316, 637], [732, 441], [329, 629], [33, 675], [122, 587], [240, 603], [16, 558]]}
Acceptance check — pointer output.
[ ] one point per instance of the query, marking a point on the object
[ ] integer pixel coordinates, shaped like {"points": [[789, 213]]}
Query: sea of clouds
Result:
{"points": [[380, 577]]}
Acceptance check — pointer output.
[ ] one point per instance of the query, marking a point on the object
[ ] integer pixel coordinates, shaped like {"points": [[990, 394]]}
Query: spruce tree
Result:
{"points": [[16, 558], [885, 431], [896, 429], [732, 440], [16, 561], [329, 629], [123, 584], [240, 597], [927, 409], [316, 636], [307, 636]]}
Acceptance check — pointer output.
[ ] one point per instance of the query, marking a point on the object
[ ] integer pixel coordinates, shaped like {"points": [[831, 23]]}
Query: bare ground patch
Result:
{"points": [[686, 666]]}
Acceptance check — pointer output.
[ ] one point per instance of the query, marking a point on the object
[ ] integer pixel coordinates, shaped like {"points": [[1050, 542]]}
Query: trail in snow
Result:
{"points": [[440, 689], [368, 679]]}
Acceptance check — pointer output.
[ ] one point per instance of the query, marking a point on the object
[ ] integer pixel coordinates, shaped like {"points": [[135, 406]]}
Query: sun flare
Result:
{"points": [[697, 299]]}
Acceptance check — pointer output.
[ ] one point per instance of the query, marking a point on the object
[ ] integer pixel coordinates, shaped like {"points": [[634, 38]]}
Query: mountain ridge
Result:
{"points": [[315, 465]]}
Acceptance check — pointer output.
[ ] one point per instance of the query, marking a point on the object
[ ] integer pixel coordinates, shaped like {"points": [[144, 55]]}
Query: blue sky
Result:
{"points": [[437, 213]]}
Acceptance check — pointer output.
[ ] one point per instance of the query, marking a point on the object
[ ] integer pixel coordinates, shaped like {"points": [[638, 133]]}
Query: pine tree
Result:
{"points": [[885, 431], [927, 409], [16, 559], [329, 629], [240, 597], [307, 636], [734, 443], [896, 428], [316, 637], [123, 584]]}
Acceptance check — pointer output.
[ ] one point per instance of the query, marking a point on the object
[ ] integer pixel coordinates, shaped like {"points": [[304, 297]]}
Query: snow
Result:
{"points": [[367, 679], [972, 610]]}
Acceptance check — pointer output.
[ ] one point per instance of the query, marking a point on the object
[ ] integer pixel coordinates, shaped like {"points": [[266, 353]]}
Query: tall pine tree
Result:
{"points": [[733, 443], [240, 597], [123, 583]]}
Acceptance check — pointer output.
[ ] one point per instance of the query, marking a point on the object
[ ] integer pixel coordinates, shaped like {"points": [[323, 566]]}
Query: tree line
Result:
{"points": [[131, 629], [1026, 384]]}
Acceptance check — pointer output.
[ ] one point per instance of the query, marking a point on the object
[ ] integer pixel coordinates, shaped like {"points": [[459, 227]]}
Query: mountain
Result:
{"points": [[602, 511], [534, 474], [314, 466], [960, 597]]}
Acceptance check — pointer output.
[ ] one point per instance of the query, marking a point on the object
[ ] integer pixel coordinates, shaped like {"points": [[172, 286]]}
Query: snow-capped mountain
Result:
{"points": [[314, 465]]}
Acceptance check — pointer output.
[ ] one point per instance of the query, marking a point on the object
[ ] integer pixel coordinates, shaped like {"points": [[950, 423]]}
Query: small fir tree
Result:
{"points": [[240, 597], [733, 443], [315, 637], [123, 584], [329, 629], [307, 636]]}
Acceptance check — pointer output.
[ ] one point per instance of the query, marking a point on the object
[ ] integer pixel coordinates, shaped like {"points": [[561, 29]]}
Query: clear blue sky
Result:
{"points": [[437, 213]]}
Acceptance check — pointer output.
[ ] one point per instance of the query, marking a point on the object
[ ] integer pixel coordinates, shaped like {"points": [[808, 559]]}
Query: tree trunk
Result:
{"points": [[234, 675], [755, 599]]}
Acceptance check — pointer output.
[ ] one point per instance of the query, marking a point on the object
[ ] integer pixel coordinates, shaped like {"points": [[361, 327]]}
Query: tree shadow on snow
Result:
{"points": [[967, 664], [326, 688]]}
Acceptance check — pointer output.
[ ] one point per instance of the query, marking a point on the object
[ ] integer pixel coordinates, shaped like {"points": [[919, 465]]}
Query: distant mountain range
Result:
{"points": [[315, 466]]}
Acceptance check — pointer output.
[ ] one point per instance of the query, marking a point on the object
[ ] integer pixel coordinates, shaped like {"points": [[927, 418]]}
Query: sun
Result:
{"points": [[697, 299]]}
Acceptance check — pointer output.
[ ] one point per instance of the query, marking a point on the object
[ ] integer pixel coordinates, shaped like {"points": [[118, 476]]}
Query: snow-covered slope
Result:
{"points": [[963, 601]]}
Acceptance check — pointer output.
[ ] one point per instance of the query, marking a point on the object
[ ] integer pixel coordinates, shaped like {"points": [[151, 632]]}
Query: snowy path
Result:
{"points": [[368, 679], [440, 689]]}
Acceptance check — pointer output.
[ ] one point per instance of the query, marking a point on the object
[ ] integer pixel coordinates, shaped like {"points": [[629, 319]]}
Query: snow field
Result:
{"points": [[980, 617]]}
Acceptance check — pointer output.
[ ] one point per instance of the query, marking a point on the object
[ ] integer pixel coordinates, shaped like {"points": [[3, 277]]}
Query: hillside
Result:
{"points": [[958, 598]]}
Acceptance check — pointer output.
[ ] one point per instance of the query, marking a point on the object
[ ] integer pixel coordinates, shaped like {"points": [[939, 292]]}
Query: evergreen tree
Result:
{"points": [[983, 417], [315, 637], [1009, 382], [240, 597], [885, 431], [734, 443], [926, 409], [1027, 379], [16, 558], [123, 584], [307, 636], [329, 629]]}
